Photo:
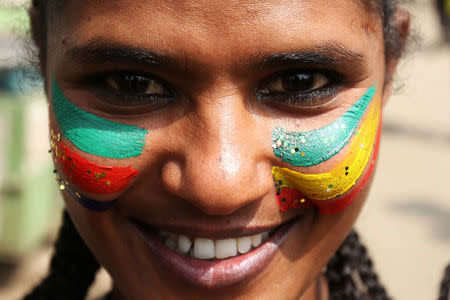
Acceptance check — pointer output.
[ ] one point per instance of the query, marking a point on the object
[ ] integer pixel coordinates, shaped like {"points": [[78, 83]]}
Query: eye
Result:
{"points": [[132, 89], [300, 88], [129, 83], [297, 82]]}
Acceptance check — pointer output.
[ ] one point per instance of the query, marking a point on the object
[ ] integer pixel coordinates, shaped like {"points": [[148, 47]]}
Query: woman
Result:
{"points": [[217, 149]]}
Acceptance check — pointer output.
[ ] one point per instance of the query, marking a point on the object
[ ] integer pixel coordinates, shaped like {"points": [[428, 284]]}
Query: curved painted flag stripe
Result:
{"points": [[93, 134], [88, 203], [304, 149], [88, 176], [340, 179], [289, 198], [328, 208]]}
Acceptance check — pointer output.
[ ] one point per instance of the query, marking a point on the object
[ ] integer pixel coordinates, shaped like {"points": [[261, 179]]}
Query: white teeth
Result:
{"points": [[184, 244], [244, 244], [204, 248], [256, 240], [225, 248]]}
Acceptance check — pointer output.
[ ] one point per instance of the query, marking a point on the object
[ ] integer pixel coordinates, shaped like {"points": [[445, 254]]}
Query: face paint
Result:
{"points": [[328, 208], [88, 176], [289, 198], [325, 186], [93, 134], [88, 203], [304, 149]]}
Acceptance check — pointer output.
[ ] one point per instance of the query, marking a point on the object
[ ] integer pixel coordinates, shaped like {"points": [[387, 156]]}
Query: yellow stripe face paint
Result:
{"points": [[340, 179]]}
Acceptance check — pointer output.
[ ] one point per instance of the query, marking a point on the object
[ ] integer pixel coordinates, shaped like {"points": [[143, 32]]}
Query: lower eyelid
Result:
{"points": [[295, 99]]}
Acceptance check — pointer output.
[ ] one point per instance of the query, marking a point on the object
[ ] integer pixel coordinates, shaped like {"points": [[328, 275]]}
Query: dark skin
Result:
{"points": [[215, 126]]}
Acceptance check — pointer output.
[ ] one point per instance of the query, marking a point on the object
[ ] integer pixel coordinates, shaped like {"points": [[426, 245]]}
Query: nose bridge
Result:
{"points": [[221, 161], [226, 145]]}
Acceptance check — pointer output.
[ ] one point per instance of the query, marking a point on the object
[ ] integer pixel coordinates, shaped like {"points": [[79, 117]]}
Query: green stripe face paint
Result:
{"points": [[304, 149], [93, 134]]}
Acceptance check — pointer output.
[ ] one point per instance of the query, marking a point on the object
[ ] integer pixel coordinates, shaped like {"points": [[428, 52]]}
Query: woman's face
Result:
{"points": [[176, 113]]}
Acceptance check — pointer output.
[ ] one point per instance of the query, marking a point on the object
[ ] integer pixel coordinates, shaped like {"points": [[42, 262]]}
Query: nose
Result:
{"points": [[223, 163]]}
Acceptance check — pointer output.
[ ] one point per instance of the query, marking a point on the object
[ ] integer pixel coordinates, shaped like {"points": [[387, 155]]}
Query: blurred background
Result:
{"points": [[405, 224]]}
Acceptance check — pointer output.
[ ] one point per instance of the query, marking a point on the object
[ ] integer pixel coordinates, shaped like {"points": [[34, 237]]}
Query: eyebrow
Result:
{"points": [[99, 51], [102, 51], [330, 53]]}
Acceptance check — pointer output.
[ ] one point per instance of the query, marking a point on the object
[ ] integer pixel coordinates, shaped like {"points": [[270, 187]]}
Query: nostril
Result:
{"points": [[171, 177]]}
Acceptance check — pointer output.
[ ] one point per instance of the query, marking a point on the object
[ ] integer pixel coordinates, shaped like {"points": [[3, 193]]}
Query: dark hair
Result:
{"points": [[350, 273], [444, 291], [72, 268]]}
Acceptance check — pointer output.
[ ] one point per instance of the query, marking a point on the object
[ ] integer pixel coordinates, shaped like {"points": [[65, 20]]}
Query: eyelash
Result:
{"points": [[291, 100], [100, 88], [309, 99]]}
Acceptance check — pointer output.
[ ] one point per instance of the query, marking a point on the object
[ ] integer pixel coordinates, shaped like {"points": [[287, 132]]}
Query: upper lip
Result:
{"points": [[212, 231]]}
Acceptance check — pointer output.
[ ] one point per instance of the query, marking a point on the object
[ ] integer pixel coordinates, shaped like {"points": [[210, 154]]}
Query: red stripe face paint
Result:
{"points": [[289, 198], [89, 176]]}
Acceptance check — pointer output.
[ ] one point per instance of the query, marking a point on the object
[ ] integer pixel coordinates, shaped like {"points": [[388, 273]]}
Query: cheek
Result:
{"points": [[95, 135], [332, 191], [305, 149], [77, 175], [89, 176]]}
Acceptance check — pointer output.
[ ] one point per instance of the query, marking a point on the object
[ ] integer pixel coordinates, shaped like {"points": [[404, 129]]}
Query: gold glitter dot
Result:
{"points": [[59, 137], [292, 151], [108, 183], [279, 142], [303, 200], [303, 154], [78, 195], [62, 187]]}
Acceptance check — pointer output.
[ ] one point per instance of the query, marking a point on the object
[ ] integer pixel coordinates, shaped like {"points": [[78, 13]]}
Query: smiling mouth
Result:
{"points": [[213, 263], [209, 249]]}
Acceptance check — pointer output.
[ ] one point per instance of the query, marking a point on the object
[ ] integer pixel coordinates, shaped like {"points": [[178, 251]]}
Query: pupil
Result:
{"points": [[298, 82], [133, 83]]}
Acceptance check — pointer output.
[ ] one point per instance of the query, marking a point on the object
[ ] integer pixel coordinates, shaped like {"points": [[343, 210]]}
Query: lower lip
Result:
{"points": [[216, 274]]}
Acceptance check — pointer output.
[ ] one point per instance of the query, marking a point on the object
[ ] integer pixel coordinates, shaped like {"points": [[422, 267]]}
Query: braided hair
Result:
{"points": [[444, 291], [72, 268], [350, 273]]}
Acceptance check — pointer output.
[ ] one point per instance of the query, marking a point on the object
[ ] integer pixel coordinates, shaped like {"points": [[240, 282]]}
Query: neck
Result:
{"points": [[318, 290]]}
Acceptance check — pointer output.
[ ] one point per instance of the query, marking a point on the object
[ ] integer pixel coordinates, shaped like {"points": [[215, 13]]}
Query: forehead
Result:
{"points": [[212, 28]]}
